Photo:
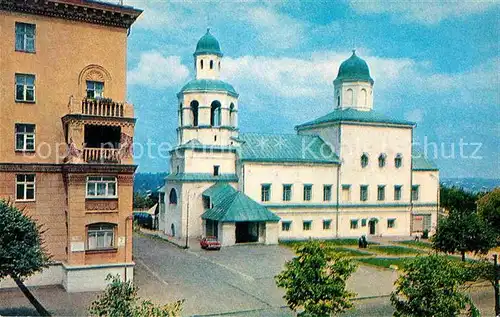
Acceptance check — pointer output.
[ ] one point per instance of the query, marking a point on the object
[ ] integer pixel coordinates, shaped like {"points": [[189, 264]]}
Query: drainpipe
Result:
{"points": [[126, 242], [338, 203]]}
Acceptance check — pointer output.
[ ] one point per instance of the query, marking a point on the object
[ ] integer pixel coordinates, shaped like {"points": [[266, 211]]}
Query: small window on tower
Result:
{"points": [[211, 64], [201, 64], [216, 170]]}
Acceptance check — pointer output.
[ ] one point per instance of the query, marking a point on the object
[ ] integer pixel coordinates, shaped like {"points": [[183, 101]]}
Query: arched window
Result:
{"points": [[398, 160], [364, 160], [194, 110], [201, 64], [181, 122], [172, 197], [211, 64], [381, 160], [349, 95], [231, 115], [219, 65], [364, 97], [215, 114], [338, 101]]}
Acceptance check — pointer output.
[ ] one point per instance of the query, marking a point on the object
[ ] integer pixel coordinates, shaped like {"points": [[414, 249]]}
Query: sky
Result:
{"points": [[434, 63]]}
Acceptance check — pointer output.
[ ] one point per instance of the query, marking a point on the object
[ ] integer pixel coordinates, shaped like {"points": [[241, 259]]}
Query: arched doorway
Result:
{"points": [[172, 229], [372, 226]]}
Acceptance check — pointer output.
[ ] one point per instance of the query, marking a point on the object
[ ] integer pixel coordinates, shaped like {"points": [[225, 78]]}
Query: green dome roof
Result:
{"points": [[354, 68], [209, 85], [208, 44]]}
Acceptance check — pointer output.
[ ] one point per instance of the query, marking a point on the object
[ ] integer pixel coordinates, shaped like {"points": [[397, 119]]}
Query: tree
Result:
{"points": [[464, 232], [488, 208], [22, 253], [121, 299], [432, 286], [142, 201], [456, 198], [315, 280]]}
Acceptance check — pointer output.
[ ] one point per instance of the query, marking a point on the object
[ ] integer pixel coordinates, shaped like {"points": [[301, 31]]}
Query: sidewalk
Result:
{"points": [[192, 243]]}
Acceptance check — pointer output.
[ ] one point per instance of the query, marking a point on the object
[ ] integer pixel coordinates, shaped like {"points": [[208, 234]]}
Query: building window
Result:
{"points": [[100, 236], [346, 192], [287, 192], [172, 197], [327, 192], [286, 225], [354, 223], [349, 97], [101, 187], [307, 192], [327, 224], [194, 110], [391, 223], [25, 88], [381, 160], [363, 192], [306, 225], [216, 170], [215, 114], [201, 64], [397, 192], [364, 160], [363, 222], [231, 115], [25, 37], [364, 97], [211, 64], [95, 89], [265, 192], [381, 192], [25, 187], [398, 161], [415, 192], [25, 137]]}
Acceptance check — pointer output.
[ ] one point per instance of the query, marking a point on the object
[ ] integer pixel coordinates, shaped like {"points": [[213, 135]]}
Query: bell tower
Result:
{"points": [[208, 106], [353, 86]]}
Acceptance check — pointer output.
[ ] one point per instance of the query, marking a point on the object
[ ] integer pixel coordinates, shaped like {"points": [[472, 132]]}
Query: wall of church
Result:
{"points": [[278, 174], [357, 95], [207, 66], [210, 136], [428, 186], [204, 162], [374, 141]]}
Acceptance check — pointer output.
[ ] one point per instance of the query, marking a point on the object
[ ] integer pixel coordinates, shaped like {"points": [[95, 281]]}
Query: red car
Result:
{"points": [[210, 243]]}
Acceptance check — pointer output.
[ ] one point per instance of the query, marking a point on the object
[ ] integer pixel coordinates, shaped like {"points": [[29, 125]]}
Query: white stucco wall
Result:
{"points": [[428, 182], [203, 162]]}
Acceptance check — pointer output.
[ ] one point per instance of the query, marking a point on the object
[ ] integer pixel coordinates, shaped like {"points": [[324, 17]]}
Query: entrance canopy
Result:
{"points": [[230, 205]]}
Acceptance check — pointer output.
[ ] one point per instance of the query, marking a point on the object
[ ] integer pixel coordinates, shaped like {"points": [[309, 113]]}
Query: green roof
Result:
{"points": [[234, 206], [353, 115], [208, 44], [292, 148], [196, 145], [197, 85], [202, 177], [420, 162], [354, 69]]}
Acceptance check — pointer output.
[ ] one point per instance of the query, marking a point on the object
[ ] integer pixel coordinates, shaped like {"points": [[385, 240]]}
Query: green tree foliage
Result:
{"points": [[464, 232], [488, 208], [457, 199], [121, 299], [143, 201], [21, 248], [315, 280], [432, 286], [22, 253]]}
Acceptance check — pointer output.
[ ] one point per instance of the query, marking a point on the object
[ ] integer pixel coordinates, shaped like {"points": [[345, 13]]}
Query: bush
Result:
{"points": [[425, 234]]}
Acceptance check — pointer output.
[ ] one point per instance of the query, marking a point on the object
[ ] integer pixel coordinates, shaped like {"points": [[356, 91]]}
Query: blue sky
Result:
{"points": [[435, 63]]}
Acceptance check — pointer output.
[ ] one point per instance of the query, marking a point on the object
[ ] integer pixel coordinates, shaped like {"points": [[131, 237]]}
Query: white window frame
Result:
{"points": [[393, 220], [398, 192], [265, 188], [287, 192], [94, 181], [308, 188], [329, 187], [399, 158], [94, 89], [354, 224], [306, 225], [381, 197], [25, 37], [329, 222], [26, 185], [26, 136], [107, 229], [22, 80], [346, 188], [415, 189], [361, 192], [286, 226]]}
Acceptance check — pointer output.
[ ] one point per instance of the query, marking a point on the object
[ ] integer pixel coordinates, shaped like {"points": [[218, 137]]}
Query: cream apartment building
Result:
{"points": [[349, 173], [66, 134]]}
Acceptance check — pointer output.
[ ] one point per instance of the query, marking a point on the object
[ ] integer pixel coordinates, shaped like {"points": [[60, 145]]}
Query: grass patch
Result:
{"points": [[351, 252], [394, 250], [418, 244], [351, 242], [385, 262]]}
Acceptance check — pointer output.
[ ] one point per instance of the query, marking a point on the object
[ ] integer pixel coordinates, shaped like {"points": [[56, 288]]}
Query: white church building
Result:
{"points": [[349, 173]]}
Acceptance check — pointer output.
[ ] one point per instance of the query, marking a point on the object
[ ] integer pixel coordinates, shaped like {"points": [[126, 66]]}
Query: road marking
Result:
{"points": [[137, 260], [245, 276]]}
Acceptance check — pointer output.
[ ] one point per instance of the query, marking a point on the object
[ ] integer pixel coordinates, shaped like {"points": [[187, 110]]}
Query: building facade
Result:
{"points": [[66, 134], [349, 173]]}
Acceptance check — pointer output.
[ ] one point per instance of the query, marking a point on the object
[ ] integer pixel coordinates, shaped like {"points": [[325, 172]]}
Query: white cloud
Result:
{"points": [[158, 71], [424, 12]]}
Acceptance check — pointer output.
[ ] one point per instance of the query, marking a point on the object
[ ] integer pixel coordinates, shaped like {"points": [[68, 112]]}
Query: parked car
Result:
{"points": [[210, 243]]}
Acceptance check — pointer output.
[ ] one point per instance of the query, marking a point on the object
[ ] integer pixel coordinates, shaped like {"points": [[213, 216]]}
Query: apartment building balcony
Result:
{"points": [[100, 107], [101, 155]]}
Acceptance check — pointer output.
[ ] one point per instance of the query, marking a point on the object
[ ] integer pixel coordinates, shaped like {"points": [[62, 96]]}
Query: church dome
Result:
{"points": [[208, 44], [354, 69]]}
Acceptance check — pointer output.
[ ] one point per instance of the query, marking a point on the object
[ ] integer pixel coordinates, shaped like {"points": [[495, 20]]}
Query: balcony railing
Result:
{"points": [[102, 107], [101, 155]]}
